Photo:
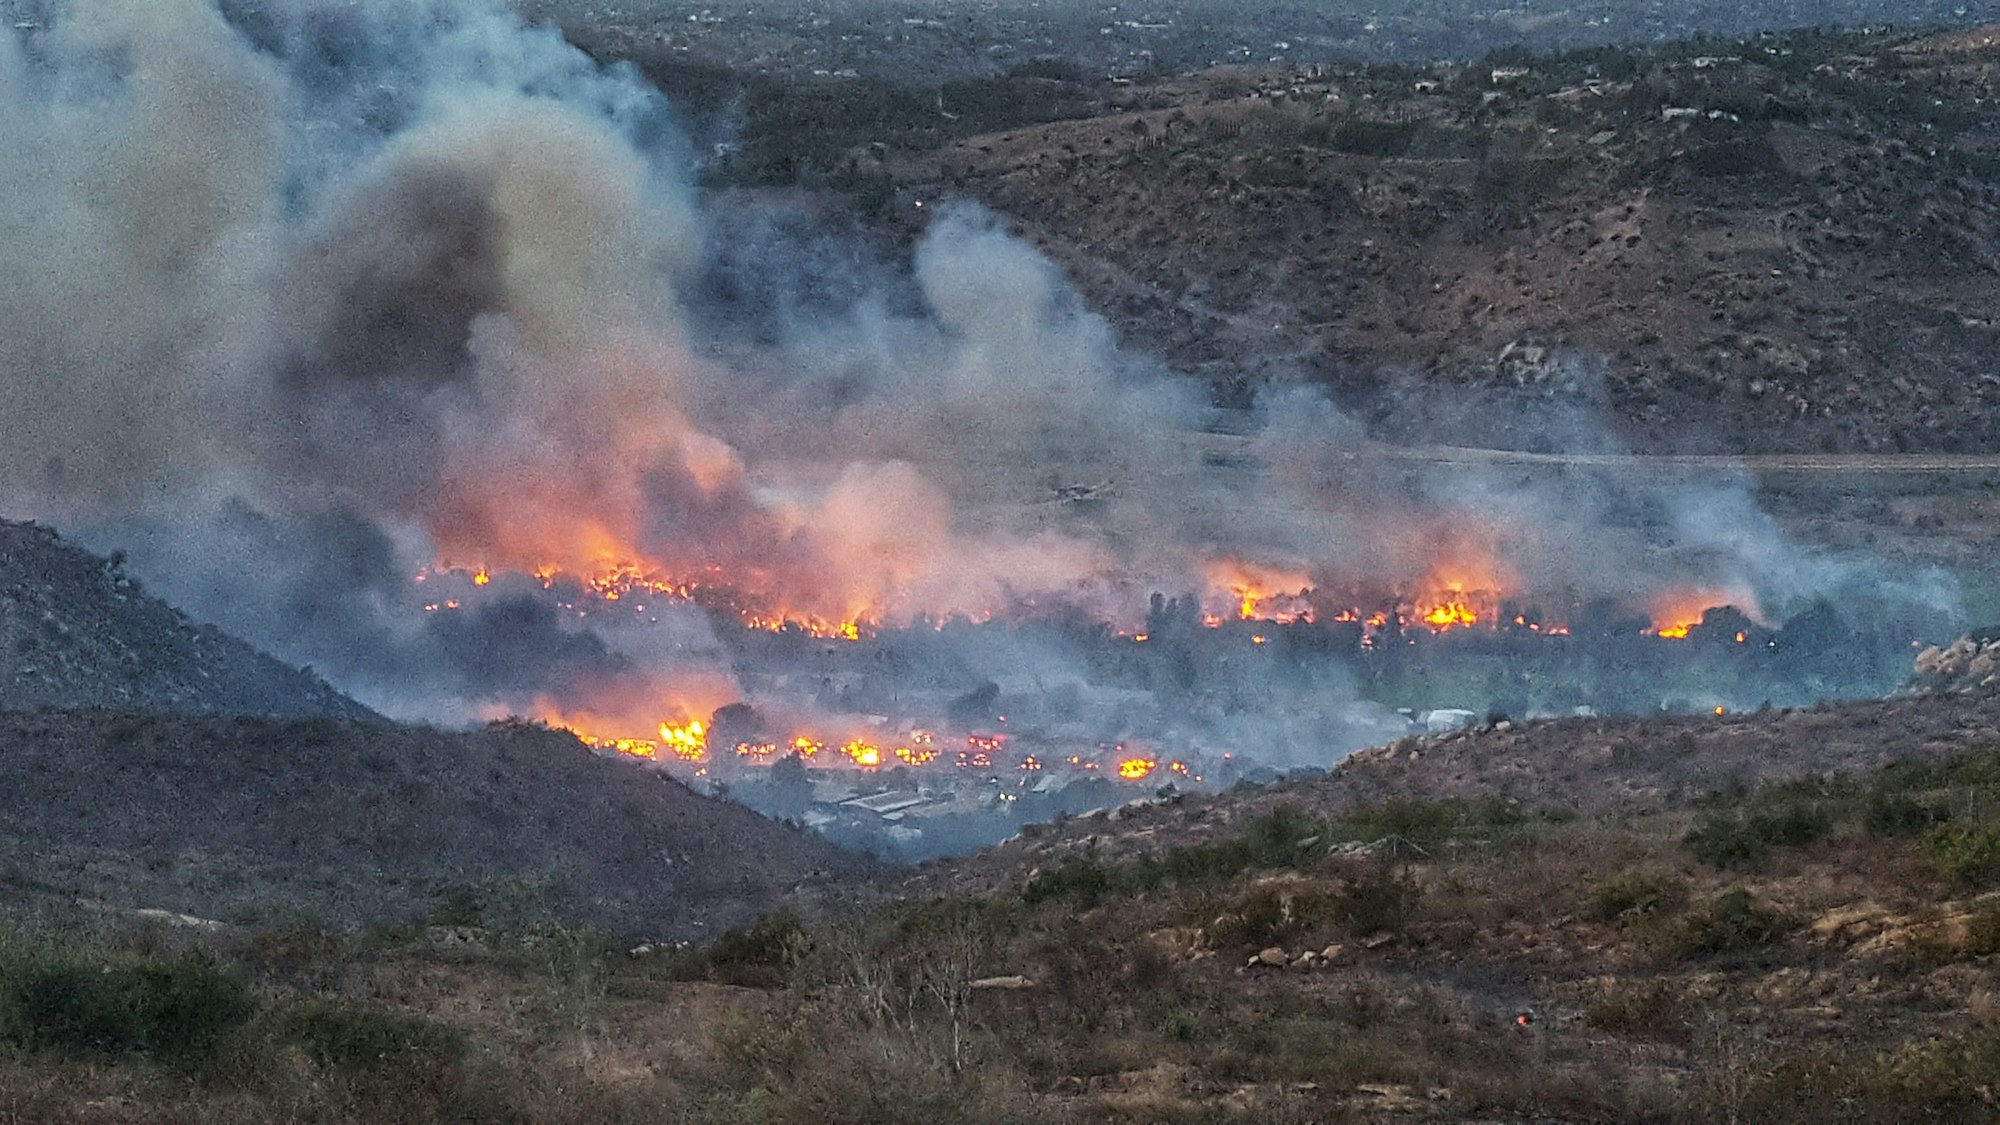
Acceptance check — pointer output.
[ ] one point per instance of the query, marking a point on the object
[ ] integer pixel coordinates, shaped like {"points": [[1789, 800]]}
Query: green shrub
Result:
{"points": [[761, 955], [1950, 1078], [180, 1007], [1079, 881], [1794, 825], [1964, 854], [1734, 922], [1425, 822], [1721, 840], [350, 1037], [1724, 840], [1889, 814], [1271, 916]]}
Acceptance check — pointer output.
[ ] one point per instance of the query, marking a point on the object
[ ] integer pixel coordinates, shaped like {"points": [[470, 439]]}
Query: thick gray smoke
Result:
{"points": [[298, 301]]}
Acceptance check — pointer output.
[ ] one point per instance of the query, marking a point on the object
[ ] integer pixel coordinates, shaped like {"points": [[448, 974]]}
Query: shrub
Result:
{"points": [[1385, 899], [1650, 1010], [761, 955], [1793, 825], [1890, 814], [1721, 840], [1945, 1079], [180, 1007], [1082, 882], [1964, 854], [1272, 916], [1627, 898], [1734, 922], [1428, 821]]}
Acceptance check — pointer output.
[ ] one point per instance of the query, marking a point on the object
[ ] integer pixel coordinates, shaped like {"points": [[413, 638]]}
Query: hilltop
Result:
{"points": [[76, 632]]}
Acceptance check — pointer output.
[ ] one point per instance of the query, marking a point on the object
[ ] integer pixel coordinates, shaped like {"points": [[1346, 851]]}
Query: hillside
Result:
{"points": [[76, 632], [1582, 767], [1805, 950], [1780, 244], [241, 819]]}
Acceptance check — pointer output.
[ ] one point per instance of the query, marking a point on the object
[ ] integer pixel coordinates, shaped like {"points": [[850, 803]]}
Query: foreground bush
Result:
{"points": [[180, 1007], [1964, 854]]}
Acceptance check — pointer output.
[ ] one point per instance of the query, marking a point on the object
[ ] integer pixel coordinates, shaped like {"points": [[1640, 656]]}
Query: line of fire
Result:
{"points": [[861, 727]]}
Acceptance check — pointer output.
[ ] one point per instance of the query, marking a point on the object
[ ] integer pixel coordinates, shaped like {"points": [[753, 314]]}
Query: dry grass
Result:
{"points": [[1657, 989]]}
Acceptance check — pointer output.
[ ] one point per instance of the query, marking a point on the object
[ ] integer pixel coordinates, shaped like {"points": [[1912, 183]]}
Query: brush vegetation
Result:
{"points": [[1377, 962]]}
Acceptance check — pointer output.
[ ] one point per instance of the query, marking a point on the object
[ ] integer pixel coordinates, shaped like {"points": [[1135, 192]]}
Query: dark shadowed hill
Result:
{"points": [[76, 632], [241, 818]]}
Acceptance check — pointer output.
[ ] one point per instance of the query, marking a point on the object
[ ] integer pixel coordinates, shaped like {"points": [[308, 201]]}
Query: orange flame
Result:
{"points": [[1257, 592], [1137, 769], [1678, 611]]}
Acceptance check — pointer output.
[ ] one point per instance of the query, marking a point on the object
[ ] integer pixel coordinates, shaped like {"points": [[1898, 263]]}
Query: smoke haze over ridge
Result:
{"points": [[297, 303]]}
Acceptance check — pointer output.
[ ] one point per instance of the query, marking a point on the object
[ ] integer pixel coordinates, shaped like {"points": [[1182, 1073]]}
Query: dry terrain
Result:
{"points": [[1781, 245], [1578, 933]]}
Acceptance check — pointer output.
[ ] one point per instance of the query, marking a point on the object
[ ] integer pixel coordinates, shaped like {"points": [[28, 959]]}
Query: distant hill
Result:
{"points": [[246, 819], [1778, 245], [76, 632]]}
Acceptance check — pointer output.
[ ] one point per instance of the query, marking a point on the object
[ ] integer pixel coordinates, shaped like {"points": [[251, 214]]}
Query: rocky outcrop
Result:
{"points": [[1968, 664]]}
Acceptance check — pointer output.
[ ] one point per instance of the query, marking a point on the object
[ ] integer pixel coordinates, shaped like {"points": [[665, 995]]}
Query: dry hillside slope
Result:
{"points": [[76, 632], [1779, 246], [241, 818]]}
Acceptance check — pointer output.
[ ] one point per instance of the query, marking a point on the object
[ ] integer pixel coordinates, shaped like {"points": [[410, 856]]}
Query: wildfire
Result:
{"points": [[1259, 593], [689, 743], [628, 582], [864, 754], [1676, 613], [1450, 615], [1137, 769]]}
